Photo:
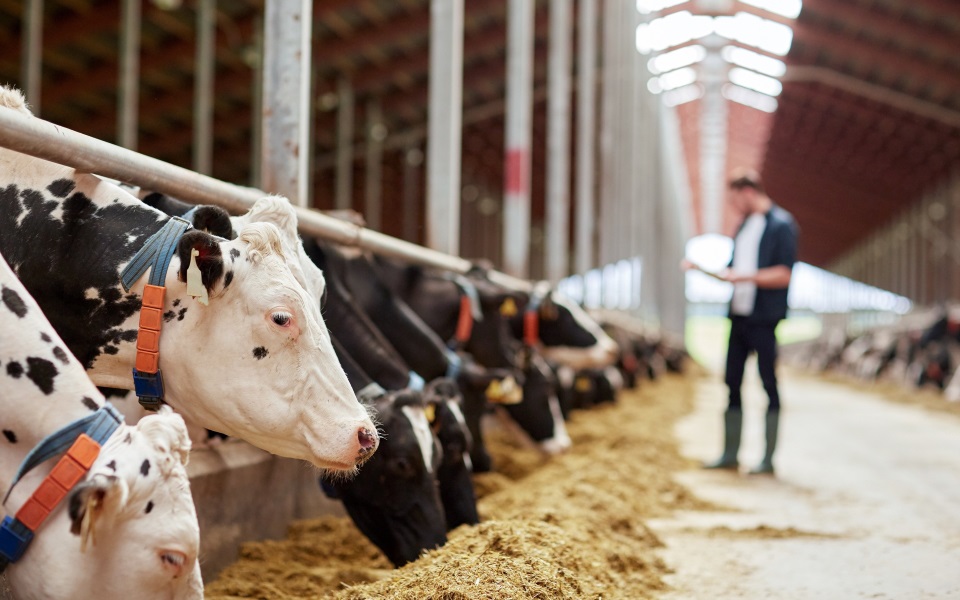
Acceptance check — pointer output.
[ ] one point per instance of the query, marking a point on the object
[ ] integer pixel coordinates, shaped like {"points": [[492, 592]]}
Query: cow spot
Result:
{"points": [[260, 352], [112, 465], [41, 372], [128, 439], [228, 278], [234, 254], [149, 507], [11, 436], [61, 187], [14, 302], [89, 403], [78, 208], [111, 350], [169, 316], [61, 355], [182, 312], [176, 303], [14, 369], [145, 467], [45, 337]]}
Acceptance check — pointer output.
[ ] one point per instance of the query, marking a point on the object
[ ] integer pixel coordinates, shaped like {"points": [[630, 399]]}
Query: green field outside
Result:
{"points": [[706, 336]]}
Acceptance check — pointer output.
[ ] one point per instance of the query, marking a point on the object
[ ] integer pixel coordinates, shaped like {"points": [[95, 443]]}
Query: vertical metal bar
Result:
{"points": [[31, 53], [608, 128], [256, 105], [343, 198], [557, 240], [376, 133], [516, 184], [412, 160], [586, 117], [286, 102], [444, 128], [129, 93], [203, 86]]}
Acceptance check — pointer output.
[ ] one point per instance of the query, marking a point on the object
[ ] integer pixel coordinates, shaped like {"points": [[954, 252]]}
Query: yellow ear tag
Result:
{"points": [[582, 384], [430, 410], [508, 308], [195, 285], [504, 392]]}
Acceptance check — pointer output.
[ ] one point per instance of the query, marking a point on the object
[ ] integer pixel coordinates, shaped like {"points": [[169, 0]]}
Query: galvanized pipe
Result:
{"points": [[373, 167], [343, 194], [42, 139], [556, 238], [586, 118], [129, 92], [31, 53], [203, 87]]}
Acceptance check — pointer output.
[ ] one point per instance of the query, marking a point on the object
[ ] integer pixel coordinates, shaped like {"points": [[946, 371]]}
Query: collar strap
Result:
{"points": [[416, 382], [531, 320], [469, 311], [454, 365], [82, 440], [156, 253]]}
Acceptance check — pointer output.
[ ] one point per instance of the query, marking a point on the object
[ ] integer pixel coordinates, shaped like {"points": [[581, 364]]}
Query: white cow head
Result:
{"points": [[261, 346], [569, 336], [128, 530]]}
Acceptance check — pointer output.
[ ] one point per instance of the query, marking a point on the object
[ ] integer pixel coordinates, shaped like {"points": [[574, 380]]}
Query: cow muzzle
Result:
{"points": [[369, 441]]}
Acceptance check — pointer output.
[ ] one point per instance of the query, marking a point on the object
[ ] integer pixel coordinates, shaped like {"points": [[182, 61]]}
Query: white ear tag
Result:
{"points": [[195, 285]]}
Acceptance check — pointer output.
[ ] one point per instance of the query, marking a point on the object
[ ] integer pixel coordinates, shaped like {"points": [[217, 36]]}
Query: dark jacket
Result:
{"points": [[778, 246]]}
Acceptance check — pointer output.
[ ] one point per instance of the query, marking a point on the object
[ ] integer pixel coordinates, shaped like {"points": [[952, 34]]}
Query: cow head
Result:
{"points": [[567, 335], [445, 414], [539, 414], [262, 348], [128, 530], [393, 499]]}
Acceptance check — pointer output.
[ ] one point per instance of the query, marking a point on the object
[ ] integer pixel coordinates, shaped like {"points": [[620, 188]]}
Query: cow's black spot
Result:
{"points": [[61, 187], [77, 208], [260, 352], [149, 507], [112, 465], [234, 254], [111, 350], [45, 337], [89, 403], [169, 316], [14, 369], [228, 278], [176, 303], [128, 439], [110, 392], [61, 355], [11, 436], [41, 372], [145, 467], [14, 302], [182, 312]]}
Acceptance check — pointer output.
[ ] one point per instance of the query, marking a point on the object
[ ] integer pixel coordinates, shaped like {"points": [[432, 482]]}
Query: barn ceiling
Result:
{"points": [[868, 119]]}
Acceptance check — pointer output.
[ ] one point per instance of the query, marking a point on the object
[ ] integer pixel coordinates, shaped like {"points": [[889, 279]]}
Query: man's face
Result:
{"points": [[740, 199]]}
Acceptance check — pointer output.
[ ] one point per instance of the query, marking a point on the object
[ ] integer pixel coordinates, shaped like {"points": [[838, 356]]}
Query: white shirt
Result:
{"points": [[746, 251]]}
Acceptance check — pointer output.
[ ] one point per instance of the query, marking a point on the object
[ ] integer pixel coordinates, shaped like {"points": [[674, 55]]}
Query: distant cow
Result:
{"points": [[128, 528], [256, 363]]}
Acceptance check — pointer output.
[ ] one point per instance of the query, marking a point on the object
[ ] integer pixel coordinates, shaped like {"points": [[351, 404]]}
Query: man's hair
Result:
{"points": [[746, 178]]}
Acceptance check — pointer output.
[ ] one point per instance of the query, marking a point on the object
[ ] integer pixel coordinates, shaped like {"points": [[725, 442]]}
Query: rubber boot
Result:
{"points": [[732, 425], [773, 425]]}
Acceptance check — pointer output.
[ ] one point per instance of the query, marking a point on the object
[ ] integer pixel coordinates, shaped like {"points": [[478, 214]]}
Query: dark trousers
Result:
{"points": [[747, 337]]}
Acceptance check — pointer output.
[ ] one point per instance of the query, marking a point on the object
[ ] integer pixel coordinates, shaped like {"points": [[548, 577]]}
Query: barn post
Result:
{"points": [[343, 194], [376, 132], [203, 87], [516, 177], [586, 119], [129, 92], [31, 53], [556, 236], [444, 129], [286, 98]]}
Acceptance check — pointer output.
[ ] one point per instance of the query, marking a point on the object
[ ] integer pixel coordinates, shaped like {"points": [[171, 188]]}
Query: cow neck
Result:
{"points": [[469, 312], [155, 254], [80, 441]]}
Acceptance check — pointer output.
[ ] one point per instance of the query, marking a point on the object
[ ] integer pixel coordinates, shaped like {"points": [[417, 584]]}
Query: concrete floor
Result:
{"points": [[865, 504]]}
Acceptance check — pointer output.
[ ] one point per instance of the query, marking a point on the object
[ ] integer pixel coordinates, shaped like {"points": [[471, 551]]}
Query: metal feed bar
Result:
{"points": [[42, 139]]}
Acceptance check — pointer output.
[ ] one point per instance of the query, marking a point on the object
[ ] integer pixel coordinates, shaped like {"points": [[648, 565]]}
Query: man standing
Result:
{"points": [[764, 251]]}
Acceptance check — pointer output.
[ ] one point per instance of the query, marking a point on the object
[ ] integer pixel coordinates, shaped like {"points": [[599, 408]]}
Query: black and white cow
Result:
{"points": [[255, 363], [129, 528]]}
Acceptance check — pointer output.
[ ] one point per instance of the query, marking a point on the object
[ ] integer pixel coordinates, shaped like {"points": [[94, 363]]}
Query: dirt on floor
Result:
{"points": [[571, 526]]}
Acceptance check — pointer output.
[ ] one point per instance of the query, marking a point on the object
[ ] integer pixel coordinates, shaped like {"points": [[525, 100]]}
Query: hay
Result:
{"points": [[568, 527]]}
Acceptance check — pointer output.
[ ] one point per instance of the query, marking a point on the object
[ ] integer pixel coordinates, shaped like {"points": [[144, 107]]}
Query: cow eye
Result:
{"points": [[281, 318]]}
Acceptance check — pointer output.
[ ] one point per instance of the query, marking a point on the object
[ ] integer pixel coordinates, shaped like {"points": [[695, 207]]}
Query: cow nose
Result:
{"points": [[368, 441]]}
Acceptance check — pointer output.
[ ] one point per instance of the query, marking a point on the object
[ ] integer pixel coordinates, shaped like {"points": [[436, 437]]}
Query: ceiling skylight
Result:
{"points": [[682, 95], [753, 61], [675, 59], [672, 30], [649, 6], [755, 81], [750, 98], [752, 30]]}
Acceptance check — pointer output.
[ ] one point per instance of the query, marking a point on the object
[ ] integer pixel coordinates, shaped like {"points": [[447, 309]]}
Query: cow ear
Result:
{"points": [[209, 258], [94, 504], [214, 220]]}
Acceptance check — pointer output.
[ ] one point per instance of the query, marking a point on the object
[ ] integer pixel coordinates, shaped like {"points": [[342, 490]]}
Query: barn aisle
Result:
{"points": [[866, 502]]}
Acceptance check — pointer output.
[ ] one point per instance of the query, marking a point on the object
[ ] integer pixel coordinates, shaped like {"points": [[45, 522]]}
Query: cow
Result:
{"points": [[128, 528], [256, 362]]}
